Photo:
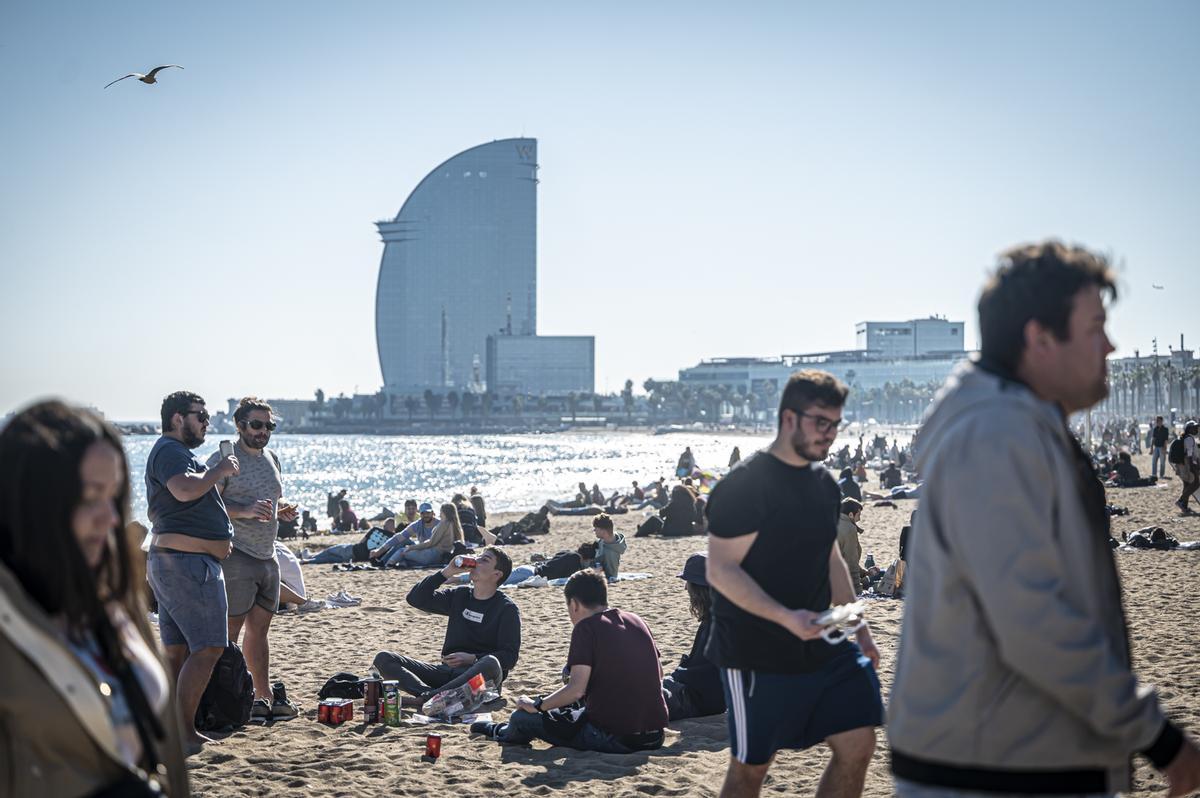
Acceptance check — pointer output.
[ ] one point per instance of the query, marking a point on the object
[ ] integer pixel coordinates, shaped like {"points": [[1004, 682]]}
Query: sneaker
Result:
{"points": [[310, 606], [281, 707], [260, 710], [486, 728], [153, 618], [305, 554]]}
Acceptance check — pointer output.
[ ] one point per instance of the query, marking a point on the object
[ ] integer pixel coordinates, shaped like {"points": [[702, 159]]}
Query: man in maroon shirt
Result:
{"points": [[614, 662]]}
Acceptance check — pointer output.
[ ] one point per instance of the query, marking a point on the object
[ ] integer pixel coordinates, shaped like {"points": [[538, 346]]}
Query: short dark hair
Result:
{"points": [[851, 505], [1124, 457], [503, 562], [407, 502], [604, 521], [178, 402], [1035, 282], [249, 404], [588, 588], [587, 551], [811, 387]]}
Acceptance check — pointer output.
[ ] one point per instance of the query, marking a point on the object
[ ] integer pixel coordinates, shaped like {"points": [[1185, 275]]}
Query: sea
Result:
{"points": [[514, 472]]}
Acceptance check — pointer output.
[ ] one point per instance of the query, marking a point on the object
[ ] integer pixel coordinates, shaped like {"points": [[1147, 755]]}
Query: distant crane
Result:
{"points": [[147, 78]]}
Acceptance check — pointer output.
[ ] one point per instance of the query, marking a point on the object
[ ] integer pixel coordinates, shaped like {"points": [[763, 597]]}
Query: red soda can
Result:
{"points": [[463, 561], [322, 712], [433, 745]]}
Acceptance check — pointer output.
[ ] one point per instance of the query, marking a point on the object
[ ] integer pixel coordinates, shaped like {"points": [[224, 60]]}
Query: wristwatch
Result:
{"points": [[537, 702]]}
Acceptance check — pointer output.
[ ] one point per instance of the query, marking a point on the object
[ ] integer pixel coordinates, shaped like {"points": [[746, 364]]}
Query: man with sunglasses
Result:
{"points": [[191, 536], [253, 499], [774, 566]]}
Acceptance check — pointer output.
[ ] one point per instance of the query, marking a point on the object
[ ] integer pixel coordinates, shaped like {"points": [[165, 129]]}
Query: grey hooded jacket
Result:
{"points": [[1013, 669]]}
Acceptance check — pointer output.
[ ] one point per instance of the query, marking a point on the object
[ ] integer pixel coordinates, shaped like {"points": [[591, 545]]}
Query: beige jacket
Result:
{"points": [[56, 738], [851, 549]]}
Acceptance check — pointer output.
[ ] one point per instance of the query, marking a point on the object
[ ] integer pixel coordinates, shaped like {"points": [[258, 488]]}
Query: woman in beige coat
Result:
{"points": [[85, 703]]}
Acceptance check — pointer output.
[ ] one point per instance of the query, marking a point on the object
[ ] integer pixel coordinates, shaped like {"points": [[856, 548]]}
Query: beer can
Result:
{"points": [[433, 745], [372, 698], [323, 712], [463, 561]]}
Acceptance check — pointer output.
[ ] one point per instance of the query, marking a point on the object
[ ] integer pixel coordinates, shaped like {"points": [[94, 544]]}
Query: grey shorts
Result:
{"points": [[192, 607], [250, 581], [911, 789]]}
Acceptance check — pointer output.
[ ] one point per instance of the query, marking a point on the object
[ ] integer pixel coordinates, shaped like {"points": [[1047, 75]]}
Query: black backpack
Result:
{"points": [[226, 702], [1175, 454]]}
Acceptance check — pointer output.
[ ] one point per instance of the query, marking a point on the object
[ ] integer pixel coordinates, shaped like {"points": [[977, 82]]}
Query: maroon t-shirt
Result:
{"points": [[624, 691]]}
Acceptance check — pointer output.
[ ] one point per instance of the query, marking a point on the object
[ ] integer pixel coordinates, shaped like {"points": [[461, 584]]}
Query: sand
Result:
{"points": [[303, 757]]}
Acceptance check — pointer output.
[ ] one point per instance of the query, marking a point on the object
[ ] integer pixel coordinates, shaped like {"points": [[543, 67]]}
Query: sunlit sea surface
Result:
{"points": [[514, 472]]}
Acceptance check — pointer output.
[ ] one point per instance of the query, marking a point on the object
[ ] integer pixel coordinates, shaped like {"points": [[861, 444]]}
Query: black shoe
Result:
{"points": [[486, 728]]}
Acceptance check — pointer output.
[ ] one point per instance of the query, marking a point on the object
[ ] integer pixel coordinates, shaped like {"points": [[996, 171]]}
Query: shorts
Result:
{"points": [[192, 607], [770, 711], [250, 581]]}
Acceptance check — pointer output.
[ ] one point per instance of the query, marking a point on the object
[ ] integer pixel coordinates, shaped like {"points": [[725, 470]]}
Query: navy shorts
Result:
{"points": [[192, 606], [770, 711]]}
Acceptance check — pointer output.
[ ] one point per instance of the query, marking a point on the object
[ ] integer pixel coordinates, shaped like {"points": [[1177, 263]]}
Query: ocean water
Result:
{"points": [[513, 472]]}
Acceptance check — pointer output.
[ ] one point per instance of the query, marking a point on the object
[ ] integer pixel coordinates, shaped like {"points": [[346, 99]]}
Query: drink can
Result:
{"points": [[323, 712], [341, 711], [391, 703], [433, 745], [372, 698], [463, 561]]}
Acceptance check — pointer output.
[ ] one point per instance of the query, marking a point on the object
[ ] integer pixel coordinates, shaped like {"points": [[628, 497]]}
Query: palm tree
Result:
{"points": [[411, 404], [573, 404], [627, 399], [432, 401], [469, 402], [452, 399]]}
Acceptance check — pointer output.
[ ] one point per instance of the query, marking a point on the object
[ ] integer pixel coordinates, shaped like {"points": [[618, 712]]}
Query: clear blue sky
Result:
{"points": [[717, 179]]}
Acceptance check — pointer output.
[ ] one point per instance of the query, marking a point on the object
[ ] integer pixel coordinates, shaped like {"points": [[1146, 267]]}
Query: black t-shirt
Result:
{"points": [[561, 565], [795, 513], [479, 627], [1159, 435]]}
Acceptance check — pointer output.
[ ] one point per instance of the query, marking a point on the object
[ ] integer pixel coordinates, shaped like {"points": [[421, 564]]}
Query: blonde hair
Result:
{"points": [[452, 511]]}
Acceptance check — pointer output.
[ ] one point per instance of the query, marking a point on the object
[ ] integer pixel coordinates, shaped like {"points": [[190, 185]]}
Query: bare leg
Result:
{"points": [[743, 781], [286, 596], [193, 678], [255, 647], [847, 768]]}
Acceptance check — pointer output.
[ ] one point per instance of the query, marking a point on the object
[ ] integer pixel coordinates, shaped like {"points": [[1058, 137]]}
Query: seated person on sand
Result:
{"points": [[679, 516], [346, 520], [436, 550], [483, 633], [560, 566], [891, 477], [694, 689], [473, 531], [614, 669], [409, 516], [849, 485], [610, 546], [477, 503], [1128, 475], [350, 552], [419, 531], [848, 543]]}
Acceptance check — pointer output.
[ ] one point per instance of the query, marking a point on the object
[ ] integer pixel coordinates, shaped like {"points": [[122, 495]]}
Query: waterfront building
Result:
{"points": [[541, 364]]}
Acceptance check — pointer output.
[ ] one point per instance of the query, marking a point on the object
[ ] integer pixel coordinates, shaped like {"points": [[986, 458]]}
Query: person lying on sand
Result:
{"points": [[560, 566], [614, 669], [484, 624]]}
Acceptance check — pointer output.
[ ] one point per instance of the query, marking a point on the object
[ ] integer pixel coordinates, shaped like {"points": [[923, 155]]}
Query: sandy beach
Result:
{"points": [[303, 757]]}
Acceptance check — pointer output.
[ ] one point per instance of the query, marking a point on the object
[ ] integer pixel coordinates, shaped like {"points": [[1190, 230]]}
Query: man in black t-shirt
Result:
{"points": [[774, 567], [1159, 435]]}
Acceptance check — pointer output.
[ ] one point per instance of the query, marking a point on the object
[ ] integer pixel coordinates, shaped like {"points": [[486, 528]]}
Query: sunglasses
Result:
{"points": [[201, 415], [255, 424]]}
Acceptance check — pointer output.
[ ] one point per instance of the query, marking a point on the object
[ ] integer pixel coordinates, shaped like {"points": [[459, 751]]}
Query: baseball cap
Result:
{"points": [[425, 507], [694, 568]]}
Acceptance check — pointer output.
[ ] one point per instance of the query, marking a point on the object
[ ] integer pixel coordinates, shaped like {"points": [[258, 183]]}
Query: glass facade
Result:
{"points": [[541, 364], [460, 253]]}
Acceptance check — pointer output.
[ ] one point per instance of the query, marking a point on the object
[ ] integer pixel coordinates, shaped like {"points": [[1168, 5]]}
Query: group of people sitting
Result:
{"points": [[615, 697]]}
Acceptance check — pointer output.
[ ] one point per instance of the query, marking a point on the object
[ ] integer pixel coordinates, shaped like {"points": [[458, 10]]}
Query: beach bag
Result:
{"points": [[1175, 454], [230, 693], [888, 584], [342, 685]]}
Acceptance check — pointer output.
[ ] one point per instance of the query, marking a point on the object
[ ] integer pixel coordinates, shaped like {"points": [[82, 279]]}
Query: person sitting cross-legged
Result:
{"points": [[484, 629], [437, 549], [614, 662]]}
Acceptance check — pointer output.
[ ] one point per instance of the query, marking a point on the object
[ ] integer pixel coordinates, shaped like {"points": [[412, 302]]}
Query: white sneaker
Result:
{"points": [[305, 554], [310, 606], [153, 616], [534, 581], [349, 599]]}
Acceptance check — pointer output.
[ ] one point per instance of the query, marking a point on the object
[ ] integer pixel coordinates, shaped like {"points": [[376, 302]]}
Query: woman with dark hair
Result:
{"points": [[694, 688], [1189, 470], [679, 516], [85, 703]]}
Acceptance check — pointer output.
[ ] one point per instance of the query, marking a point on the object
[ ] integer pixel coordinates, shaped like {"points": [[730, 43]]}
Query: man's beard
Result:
{"points": [[190, 439], [806, 448], [248, 442]]}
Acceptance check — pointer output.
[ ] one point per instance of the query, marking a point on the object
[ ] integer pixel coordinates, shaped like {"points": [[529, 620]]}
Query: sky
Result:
{"points": [[716, 179]]}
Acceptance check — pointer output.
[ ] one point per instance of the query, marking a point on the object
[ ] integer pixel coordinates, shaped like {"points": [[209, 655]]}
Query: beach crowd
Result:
{"points": [[1014, 668]]}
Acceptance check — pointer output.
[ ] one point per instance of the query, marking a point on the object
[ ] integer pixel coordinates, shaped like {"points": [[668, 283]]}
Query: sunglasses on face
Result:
{"points": [[255, 424], [201, 415]]}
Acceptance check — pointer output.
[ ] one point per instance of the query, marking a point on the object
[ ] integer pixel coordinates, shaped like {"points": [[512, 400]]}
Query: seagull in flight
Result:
{"points": [[147, 79], [1156, 286]]}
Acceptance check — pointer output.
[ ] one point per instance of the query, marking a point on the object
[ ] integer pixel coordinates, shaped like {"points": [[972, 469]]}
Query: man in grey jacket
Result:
{"points": [[1013, 673]]}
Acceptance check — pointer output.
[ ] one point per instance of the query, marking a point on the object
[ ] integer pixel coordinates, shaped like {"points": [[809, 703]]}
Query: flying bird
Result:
{"points": [[147, 79], [1156, 286]]}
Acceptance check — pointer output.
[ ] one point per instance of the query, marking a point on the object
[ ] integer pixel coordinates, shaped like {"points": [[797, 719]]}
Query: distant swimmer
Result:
{"points": [[148, 78]]}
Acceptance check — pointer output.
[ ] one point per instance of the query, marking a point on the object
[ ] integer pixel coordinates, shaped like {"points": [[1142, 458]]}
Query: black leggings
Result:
{"points": [[1189, 488]]}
